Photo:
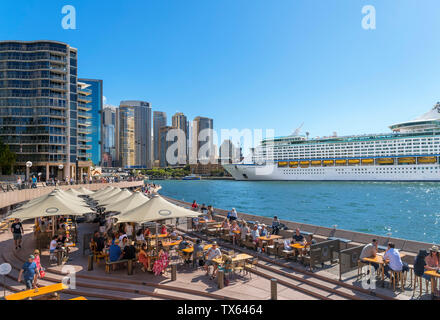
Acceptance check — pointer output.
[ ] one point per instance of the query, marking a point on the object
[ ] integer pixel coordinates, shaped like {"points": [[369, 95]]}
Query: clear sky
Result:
{"points": [[253, 63]]}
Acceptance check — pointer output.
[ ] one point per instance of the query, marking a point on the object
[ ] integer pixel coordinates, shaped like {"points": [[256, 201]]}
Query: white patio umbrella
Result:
{"points": [[107, 194], [53, 205], [157, 208], [73, 192], [121, 195], [133, 201], [85, 191], [101, 191], [59, 192]]}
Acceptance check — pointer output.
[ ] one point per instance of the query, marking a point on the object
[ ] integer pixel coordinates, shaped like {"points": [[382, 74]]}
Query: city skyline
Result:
{"points": [[312, 62]]}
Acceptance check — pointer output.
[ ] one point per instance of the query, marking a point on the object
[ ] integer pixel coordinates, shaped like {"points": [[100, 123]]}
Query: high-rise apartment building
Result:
{"points": [[39, 107], [159, 121], [96, 128], [164, 144], [179, 121], [135, 145]]}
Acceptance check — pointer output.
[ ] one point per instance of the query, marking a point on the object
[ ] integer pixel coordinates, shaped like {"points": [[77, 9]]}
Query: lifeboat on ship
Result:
{"points": [[385, 161], [328, 163], [408, 160], [304, 164], [293, 164], [427, 160], [367, 161], [282, 164], [354, 161], [316, 163], [341, 162]]}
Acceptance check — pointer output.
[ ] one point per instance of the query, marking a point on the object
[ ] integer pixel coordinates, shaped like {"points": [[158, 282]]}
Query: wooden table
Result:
{"points": [[379, 260], [37, 292], [158, 236], [433, 273], [237, 258], [191, 249]]}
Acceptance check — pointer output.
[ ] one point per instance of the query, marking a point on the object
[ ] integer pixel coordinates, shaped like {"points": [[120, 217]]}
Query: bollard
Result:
{"points": [[221, 279], [130, 267], [90, 265], [273, 289], [59, 257], [173, 272]]}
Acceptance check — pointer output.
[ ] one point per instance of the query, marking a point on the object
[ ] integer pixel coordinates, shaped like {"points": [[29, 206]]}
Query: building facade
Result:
{"points": [[138, 116], [39, 106], [96, 128], [203, 129], [109, 115], [164, 144], [179, 121], [159, 121]]}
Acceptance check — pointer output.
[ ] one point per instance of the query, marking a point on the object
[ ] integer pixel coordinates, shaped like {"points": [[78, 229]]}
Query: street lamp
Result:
{"points": [[77, 173], [28, 165]]}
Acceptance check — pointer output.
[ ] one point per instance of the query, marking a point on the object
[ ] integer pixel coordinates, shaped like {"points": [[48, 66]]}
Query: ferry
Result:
{"points": [[410, 152], [192, 177]]}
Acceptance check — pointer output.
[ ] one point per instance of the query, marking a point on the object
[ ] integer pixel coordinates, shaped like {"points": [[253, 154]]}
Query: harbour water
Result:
{"points": [[403, 210]]}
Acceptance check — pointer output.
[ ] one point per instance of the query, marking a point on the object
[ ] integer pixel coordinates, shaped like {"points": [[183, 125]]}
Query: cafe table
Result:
{"points": [[435, 275], [191, 249], [236, 258], [379, 260]]}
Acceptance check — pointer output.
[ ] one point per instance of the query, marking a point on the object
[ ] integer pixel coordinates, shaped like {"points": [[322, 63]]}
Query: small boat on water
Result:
{"points": [[192, 177]]}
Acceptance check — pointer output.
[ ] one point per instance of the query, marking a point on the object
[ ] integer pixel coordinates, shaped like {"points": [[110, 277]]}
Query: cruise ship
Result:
{"points": [[410, 152]]}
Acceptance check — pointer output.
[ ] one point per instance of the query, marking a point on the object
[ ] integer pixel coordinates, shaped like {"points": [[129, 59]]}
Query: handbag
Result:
{"points": [[42, 273]]}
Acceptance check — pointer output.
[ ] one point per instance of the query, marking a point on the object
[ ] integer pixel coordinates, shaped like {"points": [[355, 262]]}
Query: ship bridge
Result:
{"points": [[428, 122]]}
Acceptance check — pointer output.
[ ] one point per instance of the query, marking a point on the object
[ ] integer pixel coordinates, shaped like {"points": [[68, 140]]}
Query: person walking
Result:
{"points": [[29, 273], [17, 232]]}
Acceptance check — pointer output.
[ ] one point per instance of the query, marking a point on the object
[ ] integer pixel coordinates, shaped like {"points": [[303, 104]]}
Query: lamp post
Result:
{"points": [[76, 171], [28, 166], [61, 166]]}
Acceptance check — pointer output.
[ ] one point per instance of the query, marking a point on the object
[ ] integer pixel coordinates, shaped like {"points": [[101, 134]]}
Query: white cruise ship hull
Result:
{"points": [[425, 172]]}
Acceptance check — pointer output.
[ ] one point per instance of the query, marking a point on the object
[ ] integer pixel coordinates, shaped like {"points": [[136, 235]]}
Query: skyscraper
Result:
{"points": [[109, 115], [39, 106], [202, 134], [141, 118], [126, 136], [164, 144], [96, 128], [179, 121], [159, 121]]}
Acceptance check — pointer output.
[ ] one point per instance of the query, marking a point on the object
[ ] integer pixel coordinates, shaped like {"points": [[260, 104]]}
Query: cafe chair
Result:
{"points": [[418, 280]]}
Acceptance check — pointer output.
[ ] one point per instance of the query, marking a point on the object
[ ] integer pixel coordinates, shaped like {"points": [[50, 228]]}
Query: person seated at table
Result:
{"points": [[255, 234], [114, 252], [370, 251], [124, 243], [212, 253], [173, 234], [122, 236], [276, 226], [308, 243], [234, 229], [129, 251], [163, 229], [139, 236], [99, 240], [203, 209], [263, 231], [233, 215], [61, 240], [225, 224], [147, 233], [92, 245], [432, 263], [395, 262], [198, 248], [298, 237], [162, 262], [129, 230], [144, 258]]}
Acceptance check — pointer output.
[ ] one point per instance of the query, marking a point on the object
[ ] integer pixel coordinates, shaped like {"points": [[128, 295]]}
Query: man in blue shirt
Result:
{"points": [[115, 251], [29, 270]]}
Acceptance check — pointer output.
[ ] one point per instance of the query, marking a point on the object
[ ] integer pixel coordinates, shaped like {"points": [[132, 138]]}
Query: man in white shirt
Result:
{"points": [[213, 252], [394, 261]]}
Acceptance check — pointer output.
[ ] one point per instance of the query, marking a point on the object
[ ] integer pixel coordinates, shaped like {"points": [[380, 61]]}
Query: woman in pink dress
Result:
{"points": [[40, 270], [161, 263]]}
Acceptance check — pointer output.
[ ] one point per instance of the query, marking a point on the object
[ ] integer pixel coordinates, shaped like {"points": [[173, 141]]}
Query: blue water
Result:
{"points": [[406, 210]]}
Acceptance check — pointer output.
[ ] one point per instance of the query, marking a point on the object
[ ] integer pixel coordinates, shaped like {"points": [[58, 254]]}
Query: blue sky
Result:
{"points": [[253, 63]]}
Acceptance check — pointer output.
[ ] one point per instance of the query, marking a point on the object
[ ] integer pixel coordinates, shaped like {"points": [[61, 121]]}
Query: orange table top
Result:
{"points": [[37, 292], [170, 244], [297, 246], [191, 249], [236, 231], [432, 273], [217, 226], [160, 236], [238, 257], [271, 237], [379, 258]]}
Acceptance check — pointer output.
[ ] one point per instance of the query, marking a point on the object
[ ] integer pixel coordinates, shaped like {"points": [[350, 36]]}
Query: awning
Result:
{"points": [[121, 195], [133, 201]]}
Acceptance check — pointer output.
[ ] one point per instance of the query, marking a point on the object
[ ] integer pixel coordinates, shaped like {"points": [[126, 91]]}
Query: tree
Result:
{"points": [[7, 158]]}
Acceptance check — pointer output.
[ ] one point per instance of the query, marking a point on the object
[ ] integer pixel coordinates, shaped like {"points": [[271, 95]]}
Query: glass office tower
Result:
{"points": [[39, 106], [96, 128]]}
